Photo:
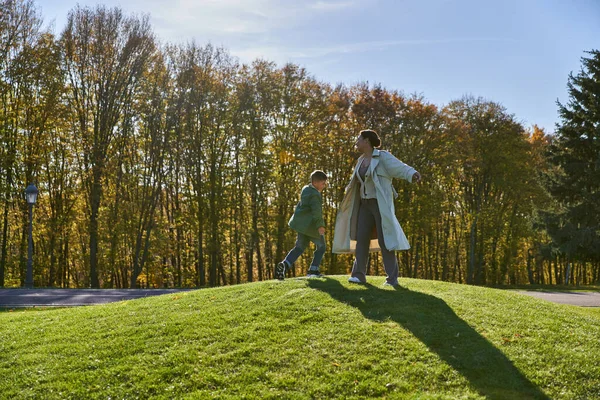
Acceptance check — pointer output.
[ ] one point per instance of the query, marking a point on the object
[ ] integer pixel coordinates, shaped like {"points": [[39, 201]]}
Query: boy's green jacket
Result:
{"points": [[308, 216]]}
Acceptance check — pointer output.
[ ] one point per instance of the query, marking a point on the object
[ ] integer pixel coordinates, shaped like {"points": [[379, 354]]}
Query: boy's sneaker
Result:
{"points": [[314, 273], [280, 271]]}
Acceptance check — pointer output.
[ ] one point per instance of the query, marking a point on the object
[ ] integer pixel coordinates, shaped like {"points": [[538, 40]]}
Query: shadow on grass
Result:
{"points": [[435, 324]]}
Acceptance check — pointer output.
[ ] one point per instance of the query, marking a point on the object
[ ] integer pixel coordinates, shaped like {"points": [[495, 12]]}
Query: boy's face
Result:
{"points": [[319, 185]]}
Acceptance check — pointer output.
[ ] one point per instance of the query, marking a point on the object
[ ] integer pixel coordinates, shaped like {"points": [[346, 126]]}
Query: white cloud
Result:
{"points": [[282, 54], [332, 5], [214, 20], [225, 17], [235, 17]]}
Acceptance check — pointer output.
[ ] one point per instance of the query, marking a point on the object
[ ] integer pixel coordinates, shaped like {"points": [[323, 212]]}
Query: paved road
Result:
{"points": [[79, 297], [584, 299], [73, 297]]}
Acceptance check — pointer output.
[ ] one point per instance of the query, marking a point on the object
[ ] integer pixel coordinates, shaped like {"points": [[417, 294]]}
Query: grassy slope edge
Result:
{"points": [[301, 338]]}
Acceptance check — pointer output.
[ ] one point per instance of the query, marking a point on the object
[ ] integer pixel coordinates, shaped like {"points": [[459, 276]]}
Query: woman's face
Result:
{"points": [[362, 144]]}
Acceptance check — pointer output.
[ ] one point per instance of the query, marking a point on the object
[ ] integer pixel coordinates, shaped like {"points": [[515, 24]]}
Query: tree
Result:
{"points": [[106, 54], [493, 182], [41, 86], [575, 157], [147, 166], [255, 107], [338, 131], [19, 35]]}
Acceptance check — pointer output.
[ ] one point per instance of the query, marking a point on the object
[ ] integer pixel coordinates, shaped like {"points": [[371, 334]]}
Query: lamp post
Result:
{"points": [[31, 196]]}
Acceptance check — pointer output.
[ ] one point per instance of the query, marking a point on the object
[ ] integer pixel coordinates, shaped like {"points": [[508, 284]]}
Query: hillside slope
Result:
{"points": [[300, 338]]}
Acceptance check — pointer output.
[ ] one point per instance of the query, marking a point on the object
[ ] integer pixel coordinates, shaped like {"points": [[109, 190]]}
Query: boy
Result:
{"points": [[308, 222]]}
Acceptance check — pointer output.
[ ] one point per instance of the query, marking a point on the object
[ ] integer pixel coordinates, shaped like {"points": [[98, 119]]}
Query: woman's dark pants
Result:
{"points": [[369, 217]]}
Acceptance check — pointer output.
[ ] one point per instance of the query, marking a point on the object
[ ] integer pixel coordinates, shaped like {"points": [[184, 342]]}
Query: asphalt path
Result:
{"points": [[10, 298], [73, 297], [583, 299]]}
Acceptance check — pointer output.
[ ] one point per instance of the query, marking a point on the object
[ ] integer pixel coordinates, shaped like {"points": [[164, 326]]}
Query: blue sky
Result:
{"points": [[514, 52]]}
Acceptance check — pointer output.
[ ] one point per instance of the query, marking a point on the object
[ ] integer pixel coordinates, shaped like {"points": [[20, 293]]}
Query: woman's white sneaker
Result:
{"points": [[354, 279]]}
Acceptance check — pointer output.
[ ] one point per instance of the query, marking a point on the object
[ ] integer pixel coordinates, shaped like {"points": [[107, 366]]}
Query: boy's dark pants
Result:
{"points": [[302, 243]]}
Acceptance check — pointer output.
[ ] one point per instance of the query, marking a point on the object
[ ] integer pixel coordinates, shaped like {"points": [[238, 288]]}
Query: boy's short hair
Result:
{"points": [[318, 176]]}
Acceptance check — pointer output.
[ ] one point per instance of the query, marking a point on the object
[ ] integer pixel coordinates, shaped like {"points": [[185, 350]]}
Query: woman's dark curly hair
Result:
{"points": [[372, 137]]}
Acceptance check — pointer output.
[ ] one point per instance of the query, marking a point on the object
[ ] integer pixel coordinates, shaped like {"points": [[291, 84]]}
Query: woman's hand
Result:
{"points": [[321, 230], [416, 177]]}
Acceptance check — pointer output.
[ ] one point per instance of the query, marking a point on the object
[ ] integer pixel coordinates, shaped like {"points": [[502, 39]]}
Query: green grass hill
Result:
{"points": [[303, 339]]}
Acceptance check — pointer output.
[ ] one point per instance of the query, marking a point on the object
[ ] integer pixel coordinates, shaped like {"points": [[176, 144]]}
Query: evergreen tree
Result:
{"points": [[575, 158]]}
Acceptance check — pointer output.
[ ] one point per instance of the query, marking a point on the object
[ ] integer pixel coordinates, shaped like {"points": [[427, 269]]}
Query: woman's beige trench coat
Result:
{"points": [[384, 166]]}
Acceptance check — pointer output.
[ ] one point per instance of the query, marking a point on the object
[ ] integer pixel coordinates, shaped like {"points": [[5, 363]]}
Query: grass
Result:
{"points": [[301, 339]]}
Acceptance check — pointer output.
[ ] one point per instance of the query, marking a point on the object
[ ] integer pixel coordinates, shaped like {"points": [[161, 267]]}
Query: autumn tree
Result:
{"points": [[105, 54], [21, 86]]}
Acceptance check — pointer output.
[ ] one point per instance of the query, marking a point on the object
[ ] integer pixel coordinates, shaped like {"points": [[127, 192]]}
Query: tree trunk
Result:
{"points": [[480, 267], [472, 261], [64, 262], [95, 196], [114, 215], [249, 262], [214, 228], [3, 247], [445, 239], [200, 271], [417, 257], [530, 268], [52, 267]]}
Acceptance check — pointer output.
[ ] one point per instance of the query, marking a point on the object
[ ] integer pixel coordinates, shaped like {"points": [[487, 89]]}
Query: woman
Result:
{"points": [[367, 219]]}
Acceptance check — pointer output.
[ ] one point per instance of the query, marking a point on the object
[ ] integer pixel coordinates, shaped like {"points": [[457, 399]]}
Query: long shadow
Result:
{"points": [[435, 324]]}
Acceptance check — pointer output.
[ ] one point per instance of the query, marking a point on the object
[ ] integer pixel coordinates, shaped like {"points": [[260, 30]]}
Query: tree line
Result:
{"points": [[175, 165]]}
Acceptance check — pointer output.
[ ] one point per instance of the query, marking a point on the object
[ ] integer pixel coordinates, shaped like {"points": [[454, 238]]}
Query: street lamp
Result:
{"points": [[31, 196]]}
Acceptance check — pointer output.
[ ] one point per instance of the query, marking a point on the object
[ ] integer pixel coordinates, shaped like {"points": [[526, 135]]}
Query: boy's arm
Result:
{"points": [[316, 209]]}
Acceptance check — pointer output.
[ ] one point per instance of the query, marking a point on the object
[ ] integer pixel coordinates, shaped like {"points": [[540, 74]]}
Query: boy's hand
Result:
{"points": [[321, 230]]}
